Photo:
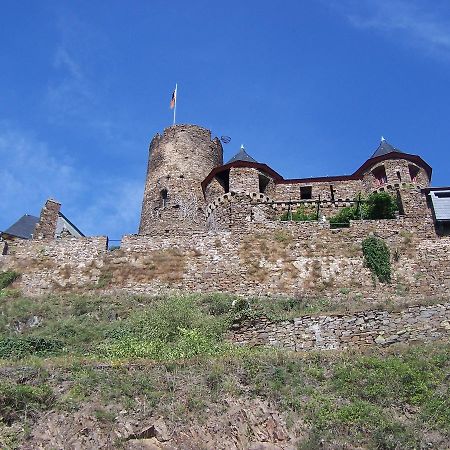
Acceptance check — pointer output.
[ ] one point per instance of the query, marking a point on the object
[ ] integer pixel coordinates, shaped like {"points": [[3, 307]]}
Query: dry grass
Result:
{"points": [[271, 248], [163, 265]]}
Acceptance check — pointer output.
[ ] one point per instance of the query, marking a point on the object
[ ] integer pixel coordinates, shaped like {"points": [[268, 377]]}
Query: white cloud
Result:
{"points": [[71, 94], [423, 25], [31, 172]]}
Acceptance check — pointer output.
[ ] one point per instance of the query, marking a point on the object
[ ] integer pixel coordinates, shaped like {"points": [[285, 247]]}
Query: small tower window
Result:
{"points": [[224, 179], [332, 191], [413, 172], [306, 192], [263, 182], [164, 197], [399, 176], [380, 175]]}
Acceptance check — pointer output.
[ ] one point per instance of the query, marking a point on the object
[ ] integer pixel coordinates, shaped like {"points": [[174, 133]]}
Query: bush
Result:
{"points": [[6, 278], [377, 258], [343, 217], [176, 327], [217, 304], [380, 205], [18, 347], [300, 215], [17, 400]]}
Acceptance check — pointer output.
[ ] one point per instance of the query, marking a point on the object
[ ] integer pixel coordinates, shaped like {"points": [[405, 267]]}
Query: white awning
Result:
{"points": [[441, 205]]}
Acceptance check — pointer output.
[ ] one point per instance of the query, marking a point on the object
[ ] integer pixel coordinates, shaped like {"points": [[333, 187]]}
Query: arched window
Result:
{"points": [[413, 172], [164, 197], [380, 175]]}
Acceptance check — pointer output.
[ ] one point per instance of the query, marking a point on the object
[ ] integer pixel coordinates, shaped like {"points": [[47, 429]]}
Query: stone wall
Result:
{"points": [[244, 179], [252, 258], [3, 247], [294, 259], [53, 265], [48, 220], [339, 331], [229, 211], [343, 190], [179, 160]]}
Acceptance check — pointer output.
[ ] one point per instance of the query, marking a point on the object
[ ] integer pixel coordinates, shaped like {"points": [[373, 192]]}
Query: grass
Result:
{"points": [[390, 400], [19, 401], [122, 326], [7, 278], [168, 355]]}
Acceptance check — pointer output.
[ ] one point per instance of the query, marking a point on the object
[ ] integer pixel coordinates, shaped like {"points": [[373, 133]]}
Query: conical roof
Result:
{"points": [[242, 155], [384, 148]]}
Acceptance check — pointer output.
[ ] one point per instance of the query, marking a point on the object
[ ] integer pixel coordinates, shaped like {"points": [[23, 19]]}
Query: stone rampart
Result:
{"points": [[339, 331], [3, 247], [254, 258], [52, 265]]}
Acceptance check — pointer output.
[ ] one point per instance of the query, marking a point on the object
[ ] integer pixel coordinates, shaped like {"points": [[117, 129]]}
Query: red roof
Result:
{"points": [[357, 175]]}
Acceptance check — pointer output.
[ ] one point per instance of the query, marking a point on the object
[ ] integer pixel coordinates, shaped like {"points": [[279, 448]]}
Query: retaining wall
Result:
{"points": [[272, 258], [339, 332]]}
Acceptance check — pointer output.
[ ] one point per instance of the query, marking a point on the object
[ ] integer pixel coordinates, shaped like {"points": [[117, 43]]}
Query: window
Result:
{"points": [[413, 172], [399, 176], [263, 182], [306, 192], [332, 191], [224, 179], [164, 196], [380, 175]]}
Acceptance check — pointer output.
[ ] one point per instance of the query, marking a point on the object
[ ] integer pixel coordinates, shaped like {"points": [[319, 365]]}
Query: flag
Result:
{"points": [[174, 98]]}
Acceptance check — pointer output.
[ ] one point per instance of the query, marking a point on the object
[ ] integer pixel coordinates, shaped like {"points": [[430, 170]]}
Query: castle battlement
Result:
{"points": [[189, 187], [212, 226]]}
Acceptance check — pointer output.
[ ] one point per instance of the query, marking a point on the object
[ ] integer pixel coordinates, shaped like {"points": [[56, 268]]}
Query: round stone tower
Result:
{"points": [[179, 160]]}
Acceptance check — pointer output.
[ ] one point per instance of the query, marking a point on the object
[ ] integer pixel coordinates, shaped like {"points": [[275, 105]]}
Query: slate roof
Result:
{"points": [[441, 205], [242, 155], [24, 227], [384, 148]]}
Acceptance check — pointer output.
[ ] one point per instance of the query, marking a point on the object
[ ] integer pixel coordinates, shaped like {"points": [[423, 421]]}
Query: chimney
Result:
{"points": [[46, 227]]}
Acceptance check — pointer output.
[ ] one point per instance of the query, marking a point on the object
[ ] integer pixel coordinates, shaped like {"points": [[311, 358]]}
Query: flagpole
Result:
{"points": [[175, 106]]}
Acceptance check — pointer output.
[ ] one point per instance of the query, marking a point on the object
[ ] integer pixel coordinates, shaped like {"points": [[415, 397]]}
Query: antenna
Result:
{"points": [[225, 139]]}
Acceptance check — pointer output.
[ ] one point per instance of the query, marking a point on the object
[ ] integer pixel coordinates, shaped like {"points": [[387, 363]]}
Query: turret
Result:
{"points": [[402, 174], [179, 160], [389, 168]]}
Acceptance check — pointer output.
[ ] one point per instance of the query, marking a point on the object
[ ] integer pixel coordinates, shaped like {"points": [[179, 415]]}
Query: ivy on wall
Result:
{"points": [[377, 258]]}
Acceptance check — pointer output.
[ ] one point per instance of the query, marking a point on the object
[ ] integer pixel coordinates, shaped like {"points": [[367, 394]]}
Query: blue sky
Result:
{"points": [[308, 86]]}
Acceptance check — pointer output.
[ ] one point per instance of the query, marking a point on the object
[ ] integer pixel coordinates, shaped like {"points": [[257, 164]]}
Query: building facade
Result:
{"points": [[189, 188]]}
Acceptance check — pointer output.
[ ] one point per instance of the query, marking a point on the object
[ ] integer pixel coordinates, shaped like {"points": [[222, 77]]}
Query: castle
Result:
{"points": [[207, 226], [189, 188]]}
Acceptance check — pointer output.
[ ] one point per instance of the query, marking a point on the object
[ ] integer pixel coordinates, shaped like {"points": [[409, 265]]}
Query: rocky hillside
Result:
{"points": [[89, 372]]}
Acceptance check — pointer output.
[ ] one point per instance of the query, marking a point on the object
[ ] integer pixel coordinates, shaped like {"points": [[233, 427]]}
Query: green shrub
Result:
{"points": [[188, 344], [377, 258], [18, 347], [17, 400], [380, 205], [343, 217], [300, 215], [7, 277], [403, 380], [217, 304], [176, 327]]}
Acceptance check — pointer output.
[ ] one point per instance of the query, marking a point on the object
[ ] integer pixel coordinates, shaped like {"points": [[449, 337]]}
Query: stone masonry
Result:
{"points": [[179, 160], [213, 227], [340, 331], [46, 227]]}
